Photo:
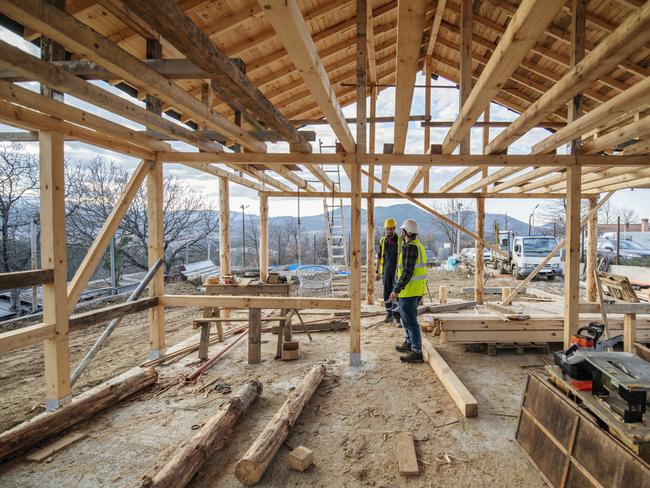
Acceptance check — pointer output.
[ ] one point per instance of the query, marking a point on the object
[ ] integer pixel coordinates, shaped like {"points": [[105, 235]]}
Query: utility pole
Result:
{"points": [[243, 233]]}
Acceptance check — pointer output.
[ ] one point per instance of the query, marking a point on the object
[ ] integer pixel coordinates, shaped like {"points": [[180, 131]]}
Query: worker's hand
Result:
{"points": [[421, 300], [378, 276], [393, 296]]}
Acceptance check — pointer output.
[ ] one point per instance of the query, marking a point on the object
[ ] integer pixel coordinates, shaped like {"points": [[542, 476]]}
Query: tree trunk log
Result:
{"points": [[41, 427], [187, 460], [251, 467]]}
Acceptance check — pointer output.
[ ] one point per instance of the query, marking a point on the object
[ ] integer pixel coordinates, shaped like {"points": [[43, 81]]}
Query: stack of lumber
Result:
{"points": [[466, 329]]}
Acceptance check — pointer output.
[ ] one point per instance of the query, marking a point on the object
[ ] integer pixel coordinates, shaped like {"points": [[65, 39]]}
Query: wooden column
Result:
{"points": [[254, 336], [224, 226], [466, 18], [480, 265], [592, 240], [264, 238], [629, 332], [155, 228], [53, 256], [574, 189], [370, 212]]}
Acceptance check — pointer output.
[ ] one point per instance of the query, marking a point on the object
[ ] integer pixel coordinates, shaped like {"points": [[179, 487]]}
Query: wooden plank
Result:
{"points": [[642, 351], [155, 252], [245, 302], [407, 461], [627, 39], [25, 279], [459, 393], [97, 249], [620, 308], [290, 27], [26, 336], [77, 36], [56, 446], [435, 28], [99, 316], [254, 336], [629, 332]]}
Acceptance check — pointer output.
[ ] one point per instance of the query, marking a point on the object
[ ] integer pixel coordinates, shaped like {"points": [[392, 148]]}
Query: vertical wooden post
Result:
{"points": [[264, 238], [254, 336], [480, 265], [355, 184], [427, 117], [53, 256], [629, 332], [442, 294], [574, 188], [155, 228], [224, 227], [592, 239], [505, 293], [370, 212], [466, 19]]}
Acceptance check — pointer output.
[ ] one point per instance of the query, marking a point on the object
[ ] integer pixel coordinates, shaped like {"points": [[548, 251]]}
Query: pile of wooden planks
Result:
{"points": [[618, 286], [467, 329]]}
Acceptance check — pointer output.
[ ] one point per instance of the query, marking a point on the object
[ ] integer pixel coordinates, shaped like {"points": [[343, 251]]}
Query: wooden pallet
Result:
{"points": [[569, 447], [618, 286], [635, 436], [519, 347]]}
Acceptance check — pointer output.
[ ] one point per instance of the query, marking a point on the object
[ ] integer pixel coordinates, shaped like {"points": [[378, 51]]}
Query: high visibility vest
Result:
{"points": [[417, 285], [400, 244]]}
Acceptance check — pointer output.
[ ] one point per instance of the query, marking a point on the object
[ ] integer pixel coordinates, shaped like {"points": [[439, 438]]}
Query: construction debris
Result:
{"points": [[300, 458], [407, 460]]}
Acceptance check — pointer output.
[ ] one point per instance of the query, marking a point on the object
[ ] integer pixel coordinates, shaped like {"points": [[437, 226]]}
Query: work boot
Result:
{"points": [[388, 319], [412, 357], [398, 323], [403, 347]]}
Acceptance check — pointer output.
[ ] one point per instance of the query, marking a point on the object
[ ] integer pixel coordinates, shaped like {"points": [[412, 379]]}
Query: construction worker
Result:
{"points": [[390, 245], [410, 287]]}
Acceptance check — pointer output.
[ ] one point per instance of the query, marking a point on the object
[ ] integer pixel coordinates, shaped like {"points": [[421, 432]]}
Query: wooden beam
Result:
{"points": [[418, 196], [435, 28], [479, 263], [80, 38], [25, 279], [290, 27], [459, 393], [525, 27], [97, 249], [465, 85], [632, 34], [370, 44], [410, 24], [592, 241], [25, 336], [244, 302], [264, 237], [224, 228], [638, 128], [101, 315]]}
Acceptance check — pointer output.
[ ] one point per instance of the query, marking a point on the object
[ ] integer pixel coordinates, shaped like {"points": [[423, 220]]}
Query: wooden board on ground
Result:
{"points": [[618, 286], [407, 460], [59, 444], [458, 392], [569, 447]]}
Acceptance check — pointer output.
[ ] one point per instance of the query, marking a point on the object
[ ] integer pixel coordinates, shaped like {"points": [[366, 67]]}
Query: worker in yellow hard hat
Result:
{"points": [[390, 247]]}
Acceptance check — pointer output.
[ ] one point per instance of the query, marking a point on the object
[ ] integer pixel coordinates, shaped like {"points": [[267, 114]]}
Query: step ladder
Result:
{"points": [[335, 233]]}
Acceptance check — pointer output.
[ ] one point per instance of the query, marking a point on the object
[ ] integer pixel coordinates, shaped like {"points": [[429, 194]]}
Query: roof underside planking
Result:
{"points": [[283, 82]]}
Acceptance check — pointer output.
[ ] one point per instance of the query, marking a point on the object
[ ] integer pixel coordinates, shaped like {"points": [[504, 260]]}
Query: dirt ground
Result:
{"points": [[350, 423]]}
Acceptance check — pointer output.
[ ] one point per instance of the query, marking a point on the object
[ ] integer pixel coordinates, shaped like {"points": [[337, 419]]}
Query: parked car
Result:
{"points": [[642, 238], [629, 250]]}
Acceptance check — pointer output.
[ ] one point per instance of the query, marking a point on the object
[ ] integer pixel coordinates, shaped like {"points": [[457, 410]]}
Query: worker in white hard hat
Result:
{"points": [[410, 287], [390, 246]]}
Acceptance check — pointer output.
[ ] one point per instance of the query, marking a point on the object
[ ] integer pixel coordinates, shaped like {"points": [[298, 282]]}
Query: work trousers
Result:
{"points": [[408, 309], [388, 279]]}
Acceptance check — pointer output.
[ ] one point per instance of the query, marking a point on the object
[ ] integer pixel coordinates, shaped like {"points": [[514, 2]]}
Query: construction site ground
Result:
{"points": [[350, 423]]}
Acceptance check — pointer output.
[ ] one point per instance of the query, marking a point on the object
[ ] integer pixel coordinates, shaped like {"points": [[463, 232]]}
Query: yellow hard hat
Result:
{"points": [[390, 222]]}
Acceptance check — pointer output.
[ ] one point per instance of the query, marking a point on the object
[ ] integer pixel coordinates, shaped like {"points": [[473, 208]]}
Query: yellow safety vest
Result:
{"points": [[417, 285], [400, 243]]}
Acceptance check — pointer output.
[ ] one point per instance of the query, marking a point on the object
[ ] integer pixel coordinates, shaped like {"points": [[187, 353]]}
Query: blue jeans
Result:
{"points": [[408, 310]]}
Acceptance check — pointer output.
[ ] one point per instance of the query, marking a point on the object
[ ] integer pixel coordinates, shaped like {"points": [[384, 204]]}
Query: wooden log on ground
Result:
{"points": [[458, 392], [187, 460], [95, 400], [251, 466]]}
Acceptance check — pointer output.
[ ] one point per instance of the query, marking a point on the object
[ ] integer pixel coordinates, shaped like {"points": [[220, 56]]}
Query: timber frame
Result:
{"points": [[578, 70]]}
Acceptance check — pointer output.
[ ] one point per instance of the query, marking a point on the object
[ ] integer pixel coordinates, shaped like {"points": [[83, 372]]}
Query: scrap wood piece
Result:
{"points": [[251, 466], [407, 460], [300, 458], [187, 460], [459, 393], [446, 307], [618, 286], [84, 406], [59, 444]]}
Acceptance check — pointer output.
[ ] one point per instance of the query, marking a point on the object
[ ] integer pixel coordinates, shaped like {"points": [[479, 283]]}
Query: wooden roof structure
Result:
{"points": [[278, 95]]}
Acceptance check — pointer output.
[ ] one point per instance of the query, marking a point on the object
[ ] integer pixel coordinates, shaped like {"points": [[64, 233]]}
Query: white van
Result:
{"points": [[642, 238]]}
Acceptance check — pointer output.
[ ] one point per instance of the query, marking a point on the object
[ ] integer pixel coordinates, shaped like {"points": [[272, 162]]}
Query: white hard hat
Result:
{"points": [[410, 226]]}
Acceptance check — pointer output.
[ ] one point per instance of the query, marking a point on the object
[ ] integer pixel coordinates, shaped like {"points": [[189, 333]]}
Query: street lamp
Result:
{"points": [[458, 229], [531, 221], [243, 233]]}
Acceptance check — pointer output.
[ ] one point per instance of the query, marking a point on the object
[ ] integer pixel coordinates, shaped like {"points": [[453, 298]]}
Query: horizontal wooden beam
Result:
{"points": [[613, 308], [26, 336], [396, 196], [245, 302], [99, 316], [271, 159], [25, 279]]}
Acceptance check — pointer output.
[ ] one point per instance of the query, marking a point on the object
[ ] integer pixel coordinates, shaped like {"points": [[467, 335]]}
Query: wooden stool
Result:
{"points": [[204, 324]]}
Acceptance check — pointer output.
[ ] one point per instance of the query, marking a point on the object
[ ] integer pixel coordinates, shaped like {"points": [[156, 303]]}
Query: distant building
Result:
{"points": [[642, 227]]}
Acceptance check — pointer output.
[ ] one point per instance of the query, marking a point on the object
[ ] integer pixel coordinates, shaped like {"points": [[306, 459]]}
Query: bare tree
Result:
{"points": [[454, 209], [607, 213], [627, 215], [554, 212], [253, 235]]}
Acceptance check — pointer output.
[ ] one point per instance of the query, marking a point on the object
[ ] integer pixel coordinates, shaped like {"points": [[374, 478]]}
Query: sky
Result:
{"points": [[444, 107]]}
